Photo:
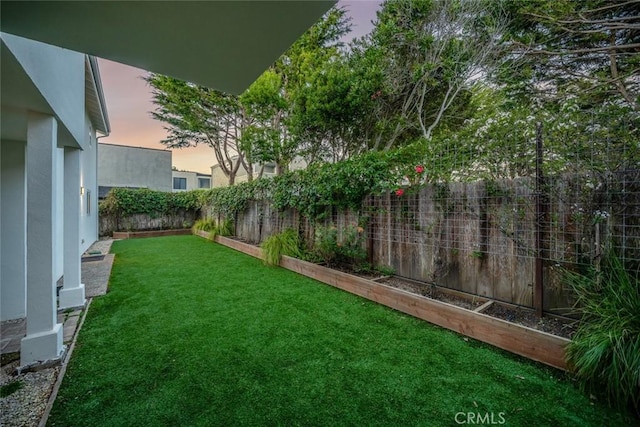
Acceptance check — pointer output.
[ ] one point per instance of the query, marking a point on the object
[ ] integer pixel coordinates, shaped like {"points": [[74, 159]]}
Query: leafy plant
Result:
{"points": [[284, 243], [326, 243], [347, 251], [213, 227], [206, 224], [130, 201], [386, 270], [605, 351], [221, 228]]}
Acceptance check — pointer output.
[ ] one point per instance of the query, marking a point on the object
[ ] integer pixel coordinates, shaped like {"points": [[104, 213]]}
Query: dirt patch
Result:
{"points": [[520, 316], [559, 327], [432, 291]]}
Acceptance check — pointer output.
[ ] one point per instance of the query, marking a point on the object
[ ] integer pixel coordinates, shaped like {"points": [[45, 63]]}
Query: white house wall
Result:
{"points": [[48, 151], [47, 66], [88, 181], [13, 225], [58, 265]]}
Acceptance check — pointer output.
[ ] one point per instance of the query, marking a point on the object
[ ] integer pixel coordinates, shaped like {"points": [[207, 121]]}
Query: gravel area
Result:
{"points": [[102, 246], [25, 406], [25, 396]]}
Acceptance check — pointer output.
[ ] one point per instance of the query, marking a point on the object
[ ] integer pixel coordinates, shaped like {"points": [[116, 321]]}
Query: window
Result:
{"points": [[88, 202], [204, 183], [179, 183]]}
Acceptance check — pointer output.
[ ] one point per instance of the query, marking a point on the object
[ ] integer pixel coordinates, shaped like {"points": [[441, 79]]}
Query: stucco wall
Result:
{"points": [[58, 232], [13, 228], [89, 182], [124, 166], [47, 66]]}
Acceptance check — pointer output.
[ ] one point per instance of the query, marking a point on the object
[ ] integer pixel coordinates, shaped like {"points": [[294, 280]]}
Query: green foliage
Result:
{"points": [[386, 270], [214, 227], [346, 250], [325, 246], [284, 243], [207, 224], [321, 187], [222, 228], [573, 48], [10, 388], [129, 201], [605, 351]]}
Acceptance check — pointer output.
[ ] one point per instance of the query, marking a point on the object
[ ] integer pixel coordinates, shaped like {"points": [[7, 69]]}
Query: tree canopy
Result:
{"points": [[465, 81]]}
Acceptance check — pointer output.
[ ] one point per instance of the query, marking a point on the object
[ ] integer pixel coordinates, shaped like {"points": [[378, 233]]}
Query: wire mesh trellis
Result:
{"points": [[484, 215]]}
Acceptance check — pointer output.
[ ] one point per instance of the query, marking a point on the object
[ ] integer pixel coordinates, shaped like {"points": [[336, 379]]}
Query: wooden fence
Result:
{"points": [[480, 237]]}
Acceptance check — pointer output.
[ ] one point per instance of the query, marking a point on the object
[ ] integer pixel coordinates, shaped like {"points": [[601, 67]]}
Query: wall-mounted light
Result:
{"points": [[81, 191]]}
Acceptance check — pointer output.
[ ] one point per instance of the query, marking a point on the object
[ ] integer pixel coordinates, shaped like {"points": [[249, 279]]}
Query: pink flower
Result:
{"points": [[419, 169], [399, 192]]}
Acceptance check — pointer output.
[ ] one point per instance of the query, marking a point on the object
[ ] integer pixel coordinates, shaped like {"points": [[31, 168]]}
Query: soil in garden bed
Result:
{"points": [[552, 325], [431, 291], [520, 316]]}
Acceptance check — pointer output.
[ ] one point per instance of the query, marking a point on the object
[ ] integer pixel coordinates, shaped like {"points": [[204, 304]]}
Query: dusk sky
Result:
{"points": [[128, 100]]}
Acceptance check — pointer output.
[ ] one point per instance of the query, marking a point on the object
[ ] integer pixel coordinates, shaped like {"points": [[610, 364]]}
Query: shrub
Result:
{"points": [[347, 251], [204, 225], [130, 201], [386, 270], [605, 351], [284, 243], [326, 243], [222, 228], [213, 227]]}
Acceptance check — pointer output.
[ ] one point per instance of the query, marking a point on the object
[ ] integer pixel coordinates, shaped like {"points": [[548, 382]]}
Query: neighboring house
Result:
{"points": [[218, 178], [187, 180], [52, 106], [133, 167]]}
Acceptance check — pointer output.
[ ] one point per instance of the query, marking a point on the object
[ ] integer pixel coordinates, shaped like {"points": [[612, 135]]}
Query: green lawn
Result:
{"points": [[196, 334]]}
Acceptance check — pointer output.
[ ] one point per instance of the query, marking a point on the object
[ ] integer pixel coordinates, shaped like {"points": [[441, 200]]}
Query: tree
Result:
{"points": [[199, 115], [429, 53], [333, 112], [282, 100], [268, 138], [588, 47]]}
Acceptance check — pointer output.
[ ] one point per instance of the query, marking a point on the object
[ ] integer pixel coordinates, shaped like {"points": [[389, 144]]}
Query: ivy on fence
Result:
{"points": [[320, 187], [129, 201]]}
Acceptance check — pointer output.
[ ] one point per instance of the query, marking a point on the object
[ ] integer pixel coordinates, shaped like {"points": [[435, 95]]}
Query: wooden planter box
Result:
{"points": [[531, 343], [153, 233]]}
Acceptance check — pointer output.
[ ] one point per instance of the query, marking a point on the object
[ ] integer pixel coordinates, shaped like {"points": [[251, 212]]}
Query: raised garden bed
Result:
{"points": [[152, 233], [555, 325], [528, 342]]}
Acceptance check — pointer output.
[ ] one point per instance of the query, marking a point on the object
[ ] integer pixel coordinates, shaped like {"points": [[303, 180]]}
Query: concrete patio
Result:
{"points": [[95, 276]]}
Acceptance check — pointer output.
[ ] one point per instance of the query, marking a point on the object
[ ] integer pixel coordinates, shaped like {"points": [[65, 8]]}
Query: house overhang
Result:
{"points": [[24, 91], [225, 45]]}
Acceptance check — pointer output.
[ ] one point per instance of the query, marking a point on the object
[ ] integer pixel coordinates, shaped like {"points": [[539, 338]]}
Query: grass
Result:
{"points": [[196, 334]]}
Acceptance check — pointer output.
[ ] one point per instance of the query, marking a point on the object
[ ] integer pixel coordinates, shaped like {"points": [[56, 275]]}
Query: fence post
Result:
{"points": [[541, 208]]}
